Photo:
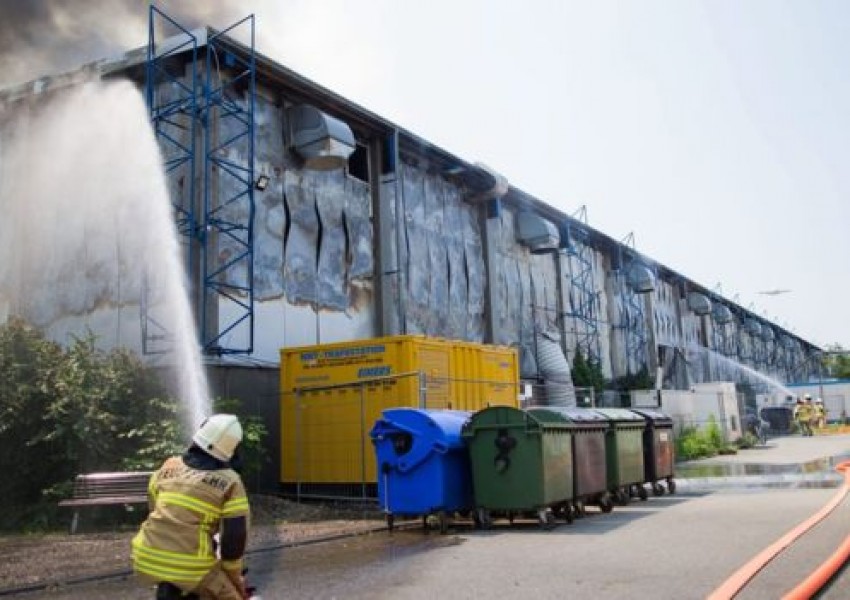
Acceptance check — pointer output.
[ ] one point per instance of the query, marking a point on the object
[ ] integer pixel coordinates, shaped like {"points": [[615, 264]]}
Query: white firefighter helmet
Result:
{"points": [[218, 436]]}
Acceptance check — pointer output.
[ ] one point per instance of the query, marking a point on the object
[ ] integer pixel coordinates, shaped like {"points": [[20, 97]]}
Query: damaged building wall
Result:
{"points": [[314, 267], [443, 258], [668, 331], [628, 331], [527, 312], [313, 246]]}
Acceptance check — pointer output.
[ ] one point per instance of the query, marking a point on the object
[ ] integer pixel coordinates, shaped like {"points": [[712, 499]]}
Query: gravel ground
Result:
{"points": [[36, 560]]}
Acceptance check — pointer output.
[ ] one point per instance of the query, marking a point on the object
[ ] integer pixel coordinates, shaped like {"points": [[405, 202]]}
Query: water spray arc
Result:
{"points": [[85, 238]]}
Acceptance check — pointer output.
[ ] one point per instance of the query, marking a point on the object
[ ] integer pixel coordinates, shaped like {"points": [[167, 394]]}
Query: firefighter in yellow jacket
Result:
{"points": [[193, 498]]}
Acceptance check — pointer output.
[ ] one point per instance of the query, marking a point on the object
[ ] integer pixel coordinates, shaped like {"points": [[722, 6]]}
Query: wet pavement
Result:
{"points": [[680, 546]]}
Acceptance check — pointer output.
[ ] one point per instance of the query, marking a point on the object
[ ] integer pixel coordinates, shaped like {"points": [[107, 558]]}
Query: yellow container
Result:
{"points": [[332, 394]]}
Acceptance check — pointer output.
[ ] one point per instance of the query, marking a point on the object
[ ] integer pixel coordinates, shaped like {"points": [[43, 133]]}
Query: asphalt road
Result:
{"points": [[680, 546]]}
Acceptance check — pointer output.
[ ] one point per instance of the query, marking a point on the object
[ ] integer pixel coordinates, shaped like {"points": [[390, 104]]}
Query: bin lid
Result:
{"points": [[619, 415], [570, 414], [508, 416], [432, 427], [656, 416]]}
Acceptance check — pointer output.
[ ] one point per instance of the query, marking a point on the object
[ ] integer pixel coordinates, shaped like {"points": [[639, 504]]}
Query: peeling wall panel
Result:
{"points": [[270, 219], [418, 280], [458, 288], [299, 268], [360, 234], [331, 271], [437, 319]]}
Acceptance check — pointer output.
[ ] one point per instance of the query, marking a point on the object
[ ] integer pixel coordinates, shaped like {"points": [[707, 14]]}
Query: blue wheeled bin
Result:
{"points": [[423, 464]]}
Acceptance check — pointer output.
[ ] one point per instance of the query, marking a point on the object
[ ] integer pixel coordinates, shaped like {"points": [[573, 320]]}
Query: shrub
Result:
{"points": [[693, 442], [70, 410]]}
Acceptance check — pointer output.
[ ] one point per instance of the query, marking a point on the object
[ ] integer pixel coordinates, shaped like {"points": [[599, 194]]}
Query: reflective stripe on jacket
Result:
{"points": [[176, 543]]}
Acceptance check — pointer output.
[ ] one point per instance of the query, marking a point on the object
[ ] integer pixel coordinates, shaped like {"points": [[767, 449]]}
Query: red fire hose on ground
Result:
{"points": [[818, 578]]}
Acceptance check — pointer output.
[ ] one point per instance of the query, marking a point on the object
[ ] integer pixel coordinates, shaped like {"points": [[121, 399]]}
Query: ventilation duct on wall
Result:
{"points": [[496, 184], [555, 371], [699, 303], [537, 233], [640, 279], [325, 143], [721, 314]]}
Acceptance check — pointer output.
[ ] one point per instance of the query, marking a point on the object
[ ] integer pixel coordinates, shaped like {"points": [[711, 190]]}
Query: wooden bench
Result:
{"points": [[105, 489]]}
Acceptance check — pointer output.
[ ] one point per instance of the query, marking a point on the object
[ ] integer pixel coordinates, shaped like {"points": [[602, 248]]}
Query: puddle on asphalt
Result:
{"points": [[813, 474]]}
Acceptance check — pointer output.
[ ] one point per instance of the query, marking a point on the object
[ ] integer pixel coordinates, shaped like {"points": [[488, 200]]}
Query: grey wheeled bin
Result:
{"points": [[423, 465], [624, 453], [658, 450], [590, 477]]}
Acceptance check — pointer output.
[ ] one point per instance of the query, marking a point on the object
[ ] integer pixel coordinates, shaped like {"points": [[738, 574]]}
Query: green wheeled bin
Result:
{"points": [[624, 453], [658, 450], [590, 476], [521, 464]]}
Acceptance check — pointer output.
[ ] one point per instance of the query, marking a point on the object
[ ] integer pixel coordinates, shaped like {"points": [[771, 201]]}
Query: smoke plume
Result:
{"points": [[45, 37]]}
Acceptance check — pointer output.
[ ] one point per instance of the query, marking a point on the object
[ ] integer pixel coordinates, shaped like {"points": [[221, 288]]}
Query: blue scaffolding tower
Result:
{"points": [[632, 321], [584, 297], [215, 112], [228, 249]]}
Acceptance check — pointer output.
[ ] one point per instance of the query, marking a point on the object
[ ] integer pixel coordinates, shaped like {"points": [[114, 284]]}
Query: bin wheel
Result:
{"points": [[443, 520], [579, 509], [641, 492], [671, 485], [657, 489], [546, 519], [621, 497], [483, 519], [605, 504], [390, 521], [565, 511], [511, 517]]}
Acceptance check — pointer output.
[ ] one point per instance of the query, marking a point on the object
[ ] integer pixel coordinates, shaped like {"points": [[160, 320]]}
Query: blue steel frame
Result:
{"points": [[584, 299], [174, 121], [200, 108], [230, 281], [634, 327], [179, 114]]}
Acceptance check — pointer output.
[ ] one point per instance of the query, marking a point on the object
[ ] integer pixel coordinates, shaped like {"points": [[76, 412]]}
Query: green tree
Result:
{"points": [[634, 381], [587, 373], [837, 362], [254, 433], [28, 366], [70, 410]]}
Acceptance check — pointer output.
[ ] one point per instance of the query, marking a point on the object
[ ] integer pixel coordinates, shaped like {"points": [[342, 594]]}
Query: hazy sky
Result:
{"points": [[717, 132]]}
